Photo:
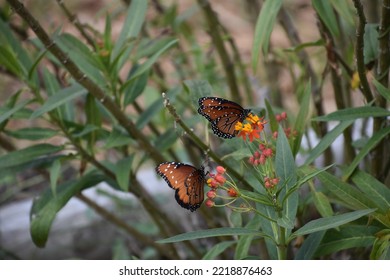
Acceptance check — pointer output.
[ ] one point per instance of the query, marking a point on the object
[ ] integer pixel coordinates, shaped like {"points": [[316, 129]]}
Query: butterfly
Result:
{"points": [[187, 180], [222, 114]]}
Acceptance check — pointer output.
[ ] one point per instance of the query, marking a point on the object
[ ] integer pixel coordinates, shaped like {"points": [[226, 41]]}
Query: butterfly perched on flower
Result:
{"points": [[222, 114], [187, 180]]}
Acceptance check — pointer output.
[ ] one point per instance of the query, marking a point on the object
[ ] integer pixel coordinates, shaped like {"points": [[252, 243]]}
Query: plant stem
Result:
{"points": [[228, 65], [359, 51], [378, 165]]}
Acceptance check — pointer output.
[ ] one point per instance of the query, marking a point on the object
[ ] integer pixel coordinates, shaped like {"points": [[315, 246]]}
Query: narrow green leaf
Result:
{"points": [[117, 139], [346, 237], [327, 141], [62, 97], [54, 172], [149, 113], [32, 133], [322, 204], [370, 145], [134, 87], [210, 233], [371, 42], [198, 89], [132, 25], [385, 92], [149, 63], [271, 116], [287, 173], [46, 207], [354, 113], [330, 222], [264, 26], [348, 194], [345, 9], [381, 246], [310, 246], [85, 59], [373, 189], [302, 118], [327, 15], [217, 249], [245, 241], [9, 60], [123, 171], [10, 111], [28, 154]]}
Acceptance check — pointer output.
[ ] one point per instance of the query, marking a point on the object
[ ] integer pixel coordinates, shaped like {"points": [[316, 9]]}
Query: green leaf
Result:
{"points": [[354, 113], [348, 194], [85, 59], [32, 133], [310, 246], [123, 171], [371, 42], [322, 204], [287, 173], [302, 118], [370, 145], [217, 249], [149, 63], [210, 233], [10, 62], [149, 113], [381, 246], [271, 116], [373, 189], [46, 207], [165, 140], [5, 115], [264, 26], [327, 15], [117, 139], [348, 236], [345, 10], [132, 25], [198, 89], [135, 87], [60, 98], [26, 155], [330, 222], [385, 92], [245, 241], [327, 140], [54, 175]]}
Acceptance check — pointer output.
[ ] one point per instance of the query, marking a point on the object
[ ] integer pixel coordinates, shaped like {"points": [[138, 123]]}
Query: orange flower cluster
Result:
{"points": [[252, 128]]}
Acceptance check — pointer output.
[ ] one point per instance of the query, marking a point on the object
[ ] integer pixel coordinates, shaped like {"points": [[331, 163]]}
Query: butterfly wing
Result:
{"points": [[222, 114], [186, 180]]}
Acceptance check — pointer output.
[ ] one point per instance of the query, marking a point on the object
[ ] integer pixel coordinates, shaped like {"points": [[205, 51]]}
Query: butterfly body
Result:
{"points": [[186, 180], [222, 114]]}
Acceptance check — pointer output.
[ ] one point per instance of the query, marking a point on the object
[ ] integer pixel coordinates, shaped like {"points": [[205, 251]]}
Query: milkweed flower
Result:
{"points": [[251, 129]]}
